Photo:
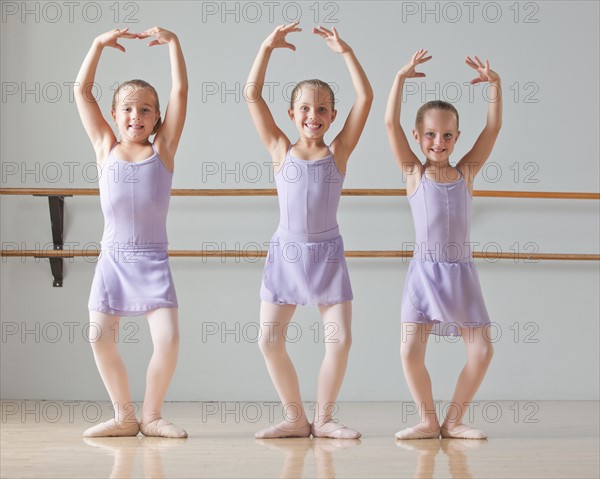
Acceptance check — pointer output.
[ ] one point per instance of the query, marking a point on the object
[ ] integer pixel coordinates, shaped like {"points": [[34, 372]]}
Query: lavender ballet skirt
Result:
{"points": [[445, 294], [305, 272], [128, 283]]}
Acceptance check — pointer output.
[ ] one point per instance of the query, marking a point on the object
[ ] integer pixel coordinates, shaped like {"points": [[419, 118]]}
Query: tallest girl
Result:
{"points": [[133, 276], [305, 263]]}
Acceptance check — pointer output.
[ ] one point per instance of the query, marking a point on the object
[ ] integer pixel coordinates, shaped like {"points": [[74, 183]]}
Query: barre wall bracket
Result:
{"points": [[56, 204]]}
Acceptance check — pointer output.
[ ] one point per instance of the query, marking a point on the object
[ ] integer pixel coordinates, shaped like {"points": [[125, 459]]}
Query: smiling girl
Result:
{"points": [[305, 263], [132, 276], [441, 292]]}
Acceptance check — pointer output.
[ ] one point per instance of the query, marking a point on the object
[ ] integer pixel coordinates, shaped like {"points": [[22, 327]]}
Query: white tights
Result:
{"points": [[164, 329], [412, 351], [337, 319]]}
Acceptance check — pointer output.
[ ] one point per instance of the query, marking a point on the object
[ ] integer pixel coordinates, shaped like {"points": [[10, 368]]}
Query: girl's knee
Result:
{"points": [[484, 352], [168, 341], [104, 348], [411, 353], [340, 343], [413, 342], [488, 351], [101, 341], [271, 342]]}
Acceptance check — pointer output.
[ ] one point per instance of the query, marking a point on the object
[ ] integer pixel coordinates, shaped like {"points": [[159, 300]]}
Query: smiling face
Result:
{"points": [[135, 111], [437, 133], [312, 111]]}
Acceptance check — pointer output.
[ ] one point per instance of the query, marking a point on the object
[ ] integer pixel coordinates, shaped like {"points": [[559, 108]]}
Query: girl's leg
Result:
{"points": [[337, 319], [274, 319], [103, 336], [479, 355], [412, 352], [164, 329]]}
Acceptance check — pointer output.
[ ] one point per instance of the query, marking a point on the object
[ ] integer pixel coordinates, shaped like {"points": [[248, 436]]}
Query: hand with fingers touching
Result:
{"points": [[312, 110], [277, 39], [96, 126], [109, 39], [408, 70], [484, 71], [161, 36], [143, 135], [333, 39]]}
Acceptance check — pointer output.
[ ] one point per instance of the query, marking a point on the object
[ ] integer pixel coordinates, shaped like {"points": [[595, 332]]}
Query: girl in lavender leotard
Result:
{"points": [[305, 263], [442, 293], [132, 275]]}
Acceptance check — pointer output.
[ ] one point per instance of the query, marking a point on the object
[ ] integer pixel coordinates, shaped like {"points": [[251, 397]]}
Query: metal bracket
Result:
{"points": [[57, 214]]}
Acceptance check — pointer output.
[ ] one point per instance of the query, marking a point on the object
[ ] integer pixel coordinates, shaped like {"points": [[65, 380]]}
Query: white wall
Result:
{"points": [[548, 60]]}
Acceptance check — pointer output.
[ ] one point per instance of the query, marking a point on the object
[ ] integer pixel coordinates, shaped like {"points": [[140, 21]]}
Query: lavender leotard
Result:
{"points": [[442, 285], [132, 275], [305, 261]]}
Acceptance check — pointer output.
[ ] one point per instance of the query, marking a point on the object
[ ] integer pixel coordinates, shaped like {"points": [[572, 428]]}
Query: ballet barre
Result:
{"points": [[193, 253], [56, 198], [273, 192]]}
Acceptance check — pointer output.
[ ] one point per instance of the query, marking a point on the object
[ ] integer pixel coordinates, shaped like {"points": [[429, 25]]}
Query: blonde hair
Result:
{"points": [[435, 105], [314, 83], [136, 85]]}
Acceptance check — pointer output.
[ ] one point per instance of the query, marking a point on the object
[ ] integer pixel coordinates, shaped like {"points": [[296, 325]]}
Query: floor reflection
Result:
{"points": [[455, 449], [294, 453], [125, 450]]}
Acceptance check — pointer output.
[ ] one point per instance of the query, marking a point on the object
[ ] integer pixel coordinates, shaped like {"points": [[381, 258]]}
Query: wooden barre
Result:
{"points": [[273, 192], [261, 254]]}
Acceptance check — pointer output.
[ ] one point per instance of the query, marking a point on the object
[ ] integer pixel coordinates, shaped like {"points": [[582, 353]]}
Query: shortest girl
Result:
{"points": [[442, 293]]}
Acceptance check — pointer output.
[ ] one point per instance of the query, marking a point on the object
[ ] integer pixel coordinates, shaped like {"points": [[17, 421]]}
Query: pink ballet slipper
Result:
{"points": [[414, 433], [463, 432], [111, 428], [334, 430], [162, 428], [279, 431]]}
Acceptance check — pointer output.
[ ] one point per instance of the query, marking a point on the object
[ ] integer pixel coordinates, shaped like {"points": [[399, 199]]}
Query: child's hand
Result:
{"points": [[333, 39], [408, 70], [109, 39], [162, 36], [485, 74], [277, 38]]}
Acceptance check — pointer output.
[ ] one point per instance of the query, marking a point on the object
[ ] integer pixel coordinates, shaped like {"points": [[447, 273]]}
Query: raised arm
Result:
{"points": [[345, 142], [403, 154], [97, 128], [169, 132], [473, 161], [272, 137]]}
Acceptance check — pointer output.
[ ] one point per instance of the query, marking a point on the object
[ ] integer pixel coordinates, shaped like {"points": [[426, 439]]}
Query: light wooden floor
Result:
{"points": [[527, 439]]}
